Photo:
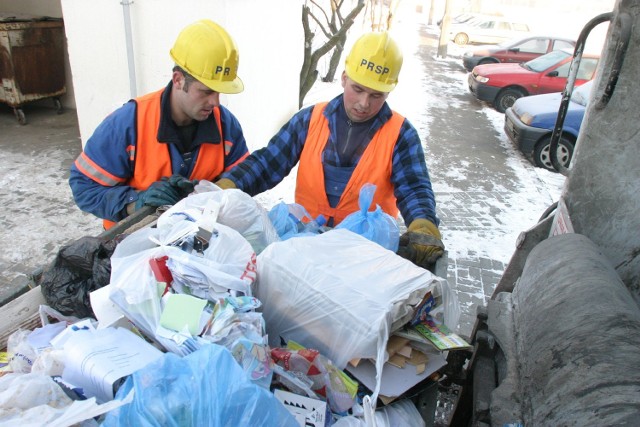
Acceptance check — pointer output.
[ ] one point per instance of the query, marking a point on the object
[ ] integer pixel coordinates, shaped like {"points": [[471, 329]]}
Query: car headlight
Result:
{"points": [[526, 118], [482, 79]]}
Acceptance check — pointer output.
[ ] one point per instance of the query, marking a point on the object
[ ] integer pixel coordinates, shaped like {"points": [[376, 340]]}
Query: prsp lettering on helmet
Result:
{"points": [[225, 71], [378, 69]]}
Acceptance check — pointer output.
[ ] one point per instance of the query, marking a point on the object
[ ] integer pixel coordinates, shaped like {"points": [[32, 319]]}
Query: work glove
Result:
{"points": [[158, 194], [182, 184], [422, 243], [225, 184]]}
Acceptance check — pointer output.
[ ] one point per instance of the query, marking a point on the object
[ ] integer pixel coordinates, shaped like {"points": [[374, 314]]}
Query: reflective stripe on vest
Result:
{"points": [[373, 167], [152, 158]]}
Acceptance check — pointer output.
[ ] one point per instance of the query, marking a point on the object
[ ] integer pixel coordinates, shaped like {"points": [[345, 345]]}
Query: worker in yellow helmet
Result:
{"points": [[349, 141], [153, 149]]}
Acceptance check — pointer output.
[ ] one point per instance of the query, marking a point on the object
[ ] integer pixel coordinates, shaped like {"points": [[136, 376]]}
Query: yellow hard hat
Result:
{"points": [[375, 61], [206, 51]]}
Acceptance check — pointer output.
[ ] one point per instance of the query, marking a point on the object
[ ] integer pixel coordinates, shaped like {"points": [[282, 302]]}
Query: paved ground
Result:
{"points": [[38, 214]]}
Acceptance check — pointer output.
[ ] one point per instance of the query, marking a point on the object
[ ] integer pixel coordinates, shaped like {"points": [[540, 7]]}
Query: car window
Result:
{"points": [[585, 72], [587, 68], [534, 46], [543, 62], [504, 26], [563, 70], [487, 25], [520, 27], [582, 93], [561, 44]]}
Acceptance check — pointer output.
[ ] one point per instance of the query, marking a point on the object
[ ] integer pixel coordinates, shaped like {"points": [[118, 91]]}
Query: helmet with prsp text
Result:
{"points": [[375, 61], [207, 52]]}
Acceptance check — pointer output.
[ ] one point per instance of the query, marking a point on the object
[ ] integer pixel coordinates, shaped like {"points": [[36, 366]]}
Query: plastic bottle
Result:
{"points": [[315, 225]]}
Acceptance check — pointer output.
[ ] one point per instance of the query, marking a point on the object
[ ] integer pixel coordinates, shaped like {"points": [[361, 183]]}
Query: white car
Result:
{"points": [[487, 30]]}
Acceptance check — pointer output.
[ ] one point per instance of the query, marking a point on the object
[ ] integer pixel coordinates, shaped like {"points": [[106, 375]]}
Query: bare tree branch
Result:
{"points": [[336, 37]]}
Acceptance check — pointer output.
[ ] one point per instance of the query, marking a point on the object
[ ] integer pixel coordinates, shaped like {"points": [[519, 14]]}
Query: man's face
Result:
{"points": [[361, 102], [194, 101]]}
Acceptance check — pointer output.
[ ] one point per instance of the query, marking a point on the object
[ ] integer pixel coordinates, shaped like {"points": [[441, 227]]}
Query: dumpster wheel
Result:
{"points": [[58, 105], [22, 119]]}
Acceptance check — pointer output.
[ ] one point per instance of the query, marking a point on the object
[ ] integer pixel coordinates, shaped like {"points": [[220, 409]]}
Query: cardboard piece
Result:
{"points": [[406, 351], [418, 358], [397, 360], [395, 344], [307, 411], [395, 381]]}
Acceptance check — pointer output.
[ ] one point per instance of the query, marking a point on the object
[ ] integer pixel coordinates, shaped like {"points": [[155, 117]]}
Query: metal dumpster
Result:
{"points": [[31, 60]]}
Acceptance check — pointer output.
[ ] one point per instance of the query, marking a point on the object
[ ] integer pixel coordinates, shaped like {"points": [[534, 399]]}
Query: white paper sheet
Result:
{"points": [[96, 360]]}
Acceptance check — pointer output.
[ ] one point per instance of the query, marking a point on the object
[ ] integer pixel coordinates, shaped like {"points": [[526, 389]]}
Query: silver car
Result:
{"points": [[487, 30]]}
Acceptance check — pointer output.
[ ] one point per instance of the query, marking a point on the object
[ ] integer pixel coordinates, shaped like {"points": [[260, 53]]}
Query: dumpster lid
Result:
{"points": [[25, 17]]}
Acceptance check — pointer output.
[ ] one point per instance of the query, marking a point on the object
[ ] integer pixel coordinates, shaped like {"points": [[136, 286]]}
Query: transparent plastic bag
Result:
{"points": [[205, 388], [226, 267], [21, 354], [293, 220], [402, 413], [236, 209], [375, 225], [326, 380]]}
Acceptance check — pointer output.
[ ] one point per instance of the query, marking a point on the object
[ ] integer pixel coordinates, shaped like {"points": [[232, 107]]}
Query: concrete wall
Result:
{"points": [[268, 35]]}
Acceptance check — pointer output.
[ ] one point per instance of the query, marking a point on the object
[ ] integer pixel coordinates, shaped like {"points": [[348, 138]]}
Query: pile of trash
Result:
{"points": [[226, 314]]}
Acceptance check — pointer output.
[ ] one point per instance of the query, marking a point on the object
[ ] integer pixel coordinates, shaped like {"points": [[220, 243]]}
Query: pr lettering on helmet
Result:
{"points": [[378, 69], [225, 71]]}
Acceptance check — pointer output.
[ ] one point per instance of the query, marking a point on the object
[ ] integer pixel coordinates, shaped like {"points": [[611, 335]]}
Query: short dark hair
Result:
{"points": [[188, 78]]}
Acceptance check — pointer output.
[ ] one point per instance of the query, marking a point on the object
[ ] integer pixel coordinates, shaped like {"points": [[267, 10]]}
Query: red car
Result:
{"points": [[518, 50], [502, 84]]}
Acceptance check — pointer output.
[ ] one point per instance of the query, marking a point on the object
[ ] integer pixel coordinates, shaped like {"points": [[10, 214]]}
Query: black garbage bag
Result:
{"points": [[80, 268]]}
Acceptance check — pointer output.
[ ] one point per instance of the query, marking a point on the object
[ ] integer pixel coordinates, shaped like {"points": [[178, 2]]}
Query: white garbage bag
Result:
{"points": [[338, 293], [236, 209]]}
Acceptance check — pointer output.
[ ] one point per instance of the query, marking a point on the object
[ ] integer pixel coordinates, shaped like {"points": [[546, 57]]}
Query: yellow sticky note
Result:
{"points": [[182, 310]]}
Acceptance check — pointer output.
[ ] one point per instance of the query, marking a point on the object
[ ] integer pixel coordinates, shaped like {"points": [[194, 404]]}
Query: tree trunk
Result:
{"points": [[431, 12], [309, 72], [335, 60], [444, 31]]}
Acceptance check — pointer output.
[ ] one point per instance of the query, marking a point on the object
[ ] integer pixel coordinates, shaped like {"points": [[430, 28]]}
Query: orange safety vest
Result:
{"points": [[152, 158], [374, 167]]}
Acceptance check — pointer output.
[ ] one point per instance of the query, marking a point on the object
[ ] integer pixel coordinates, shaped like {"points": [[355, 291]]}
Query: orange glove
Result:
{"points": [[423, 243], [225, 184]]}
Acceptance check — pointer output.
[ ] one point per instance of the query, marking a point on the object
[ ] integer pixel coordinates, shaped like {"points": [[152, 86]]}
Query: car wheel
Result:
{"points": [[461, 39], [542, 154], [487, 61], [506, 98]]}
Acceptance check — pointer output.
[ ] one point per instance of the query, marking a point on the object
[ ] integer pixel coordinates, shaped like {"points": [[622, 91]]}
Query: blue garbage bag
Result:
{"points": [[376, 225], [204, 388], [292, 220]]}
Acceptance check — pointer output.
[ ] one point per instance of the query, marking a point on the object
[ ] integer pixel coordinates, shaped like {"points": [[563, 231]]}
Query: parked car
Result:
{"points": [[530, 121], [488, 30], [458, 19], [515, 50], [501, 84]]}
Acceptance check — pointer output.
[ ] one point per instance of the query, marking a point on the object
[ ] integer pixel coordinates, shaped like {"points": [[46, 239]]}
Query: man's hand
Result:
{"points": [[159, 193], [422, 243], [225, 184], [182, 184]]}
